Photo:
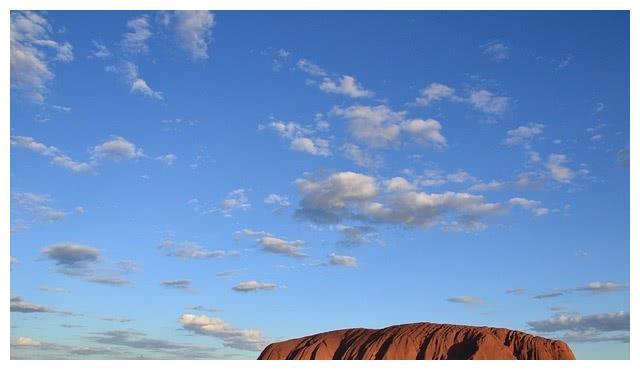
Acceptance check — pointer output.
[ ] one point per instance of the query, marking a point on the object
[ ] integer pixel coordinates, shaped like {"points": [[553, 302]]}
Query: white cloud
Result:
{"points": [[116, 149], [236, 199], [251, 340], [556, 165], [253, 286], [167, 159], [135, 40], [459, 177], [273, 244], [311, 146], [345, 85], [427, 131], [325, 199], [26, 342], [497, 50], [466, 300], [31, 51], [564, 62], [488, 102], [38, 206], [533, 205], [281, 200], [189, 251], [355, 235], [101, 51], [379, 126], [339, 260], [603, 287], [129, 71], [486, 186], [523, 134], [310, 68], [614, 321], [435, 92], [360, 157], [349, 195], [300, 137], [193, 29]]}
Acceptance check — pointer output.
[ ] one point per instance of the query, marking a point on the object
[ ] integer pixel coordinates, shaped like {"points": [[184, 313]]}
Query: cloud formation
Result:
{"points": [[187, 250], [350, 195], [58, 157], [435, 92], [249, 340], [345, 85], [496, 50], [32, 50], [379, 126], [253, 286], [466, 300], [614, 321], [342, 260]]}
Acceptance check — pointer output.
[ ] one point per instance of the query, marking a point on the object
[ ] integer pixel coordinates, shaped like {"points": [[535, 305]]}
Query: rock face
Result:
{"points": [[420, 341]]}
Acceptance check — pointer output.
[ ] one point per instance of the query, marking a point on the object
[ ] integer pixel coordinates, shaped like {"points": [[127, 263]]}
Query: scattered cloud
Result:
{"points": [[345, 85], [280, 200], [281, 246], [187, 250], [301, 138], [514, 291], [340, 260], [466, 300], [564, 62], [355, 235], [193, 30], [614, 321], [435, 92], [379, 126], [350, 195], [120, 319], [253, 286], [556, 165], [134, 41], [496, 50], [203, 308], [533, 205], [58, 157], [523, 134], [78, 260], [603, 287], [137, 85], [488, 102], [26, 342], [18, 304], [250, 340], [38, 206], [32, 50], [101, 51], [236, 199], [310, 68], [182, 284], [361, 157], [116, 149]]}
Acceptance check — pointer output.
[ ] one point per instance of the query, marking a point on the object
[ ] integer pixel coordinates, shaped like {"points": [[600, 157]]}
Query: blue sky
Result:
{"points": [[199, 184]]}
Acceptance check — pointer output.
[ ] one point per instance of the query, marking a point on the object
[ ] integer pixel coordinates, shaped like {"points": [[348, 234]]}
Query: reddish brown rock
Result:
{"points": [[420, 341]]}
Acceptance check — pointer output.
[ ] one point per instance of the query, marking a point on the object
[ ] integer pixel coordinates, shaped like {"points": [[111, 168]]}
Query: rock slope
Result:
{"points": [[420, 341]]}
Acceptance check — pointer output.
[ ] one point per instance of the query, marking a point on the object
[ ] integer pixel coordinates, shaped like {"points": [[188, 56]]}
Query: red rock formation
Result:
{"points": [[420, 341]]}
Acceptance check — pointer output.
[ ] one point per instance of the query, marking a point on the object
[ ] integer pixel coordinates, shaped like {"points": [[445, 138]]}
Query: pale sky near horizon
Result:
{"points": [[200, 184]]}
